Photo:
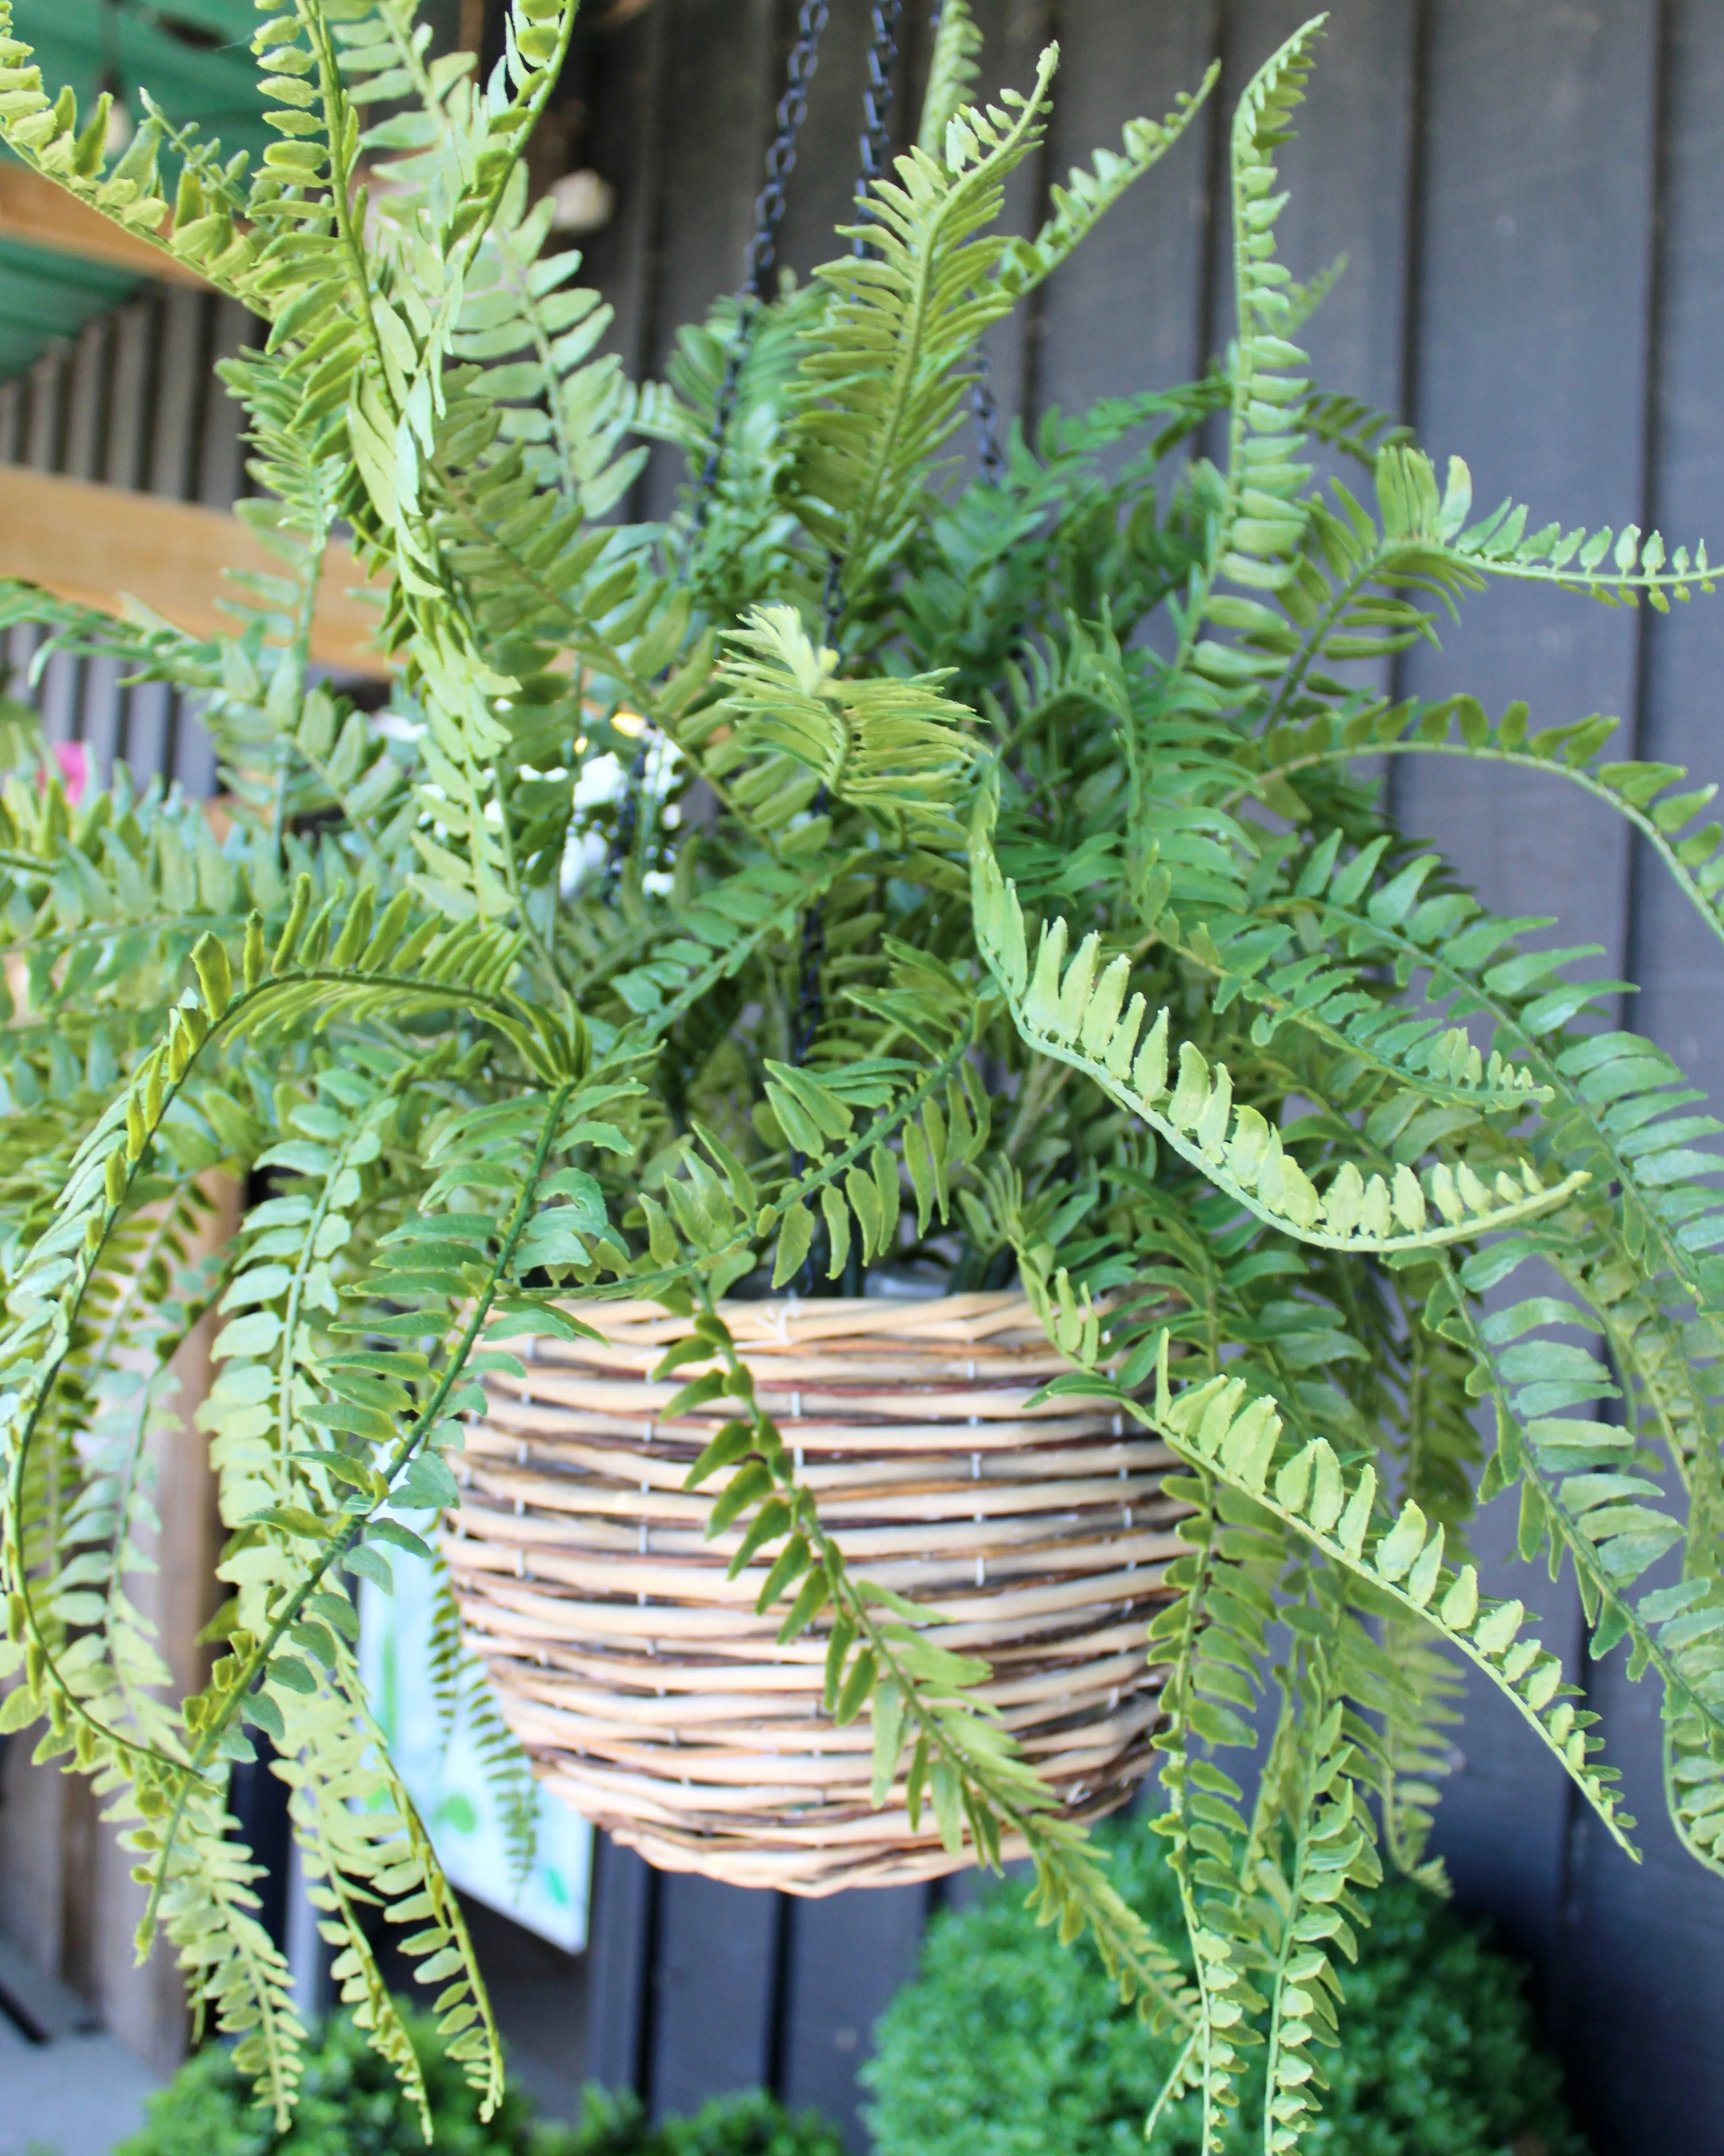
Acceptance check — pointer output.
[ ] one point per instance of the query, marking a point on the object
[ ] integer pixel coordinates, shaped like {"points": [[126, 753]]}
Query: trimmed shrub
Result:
{"points": [[1006, 2044], [349, 2105]]}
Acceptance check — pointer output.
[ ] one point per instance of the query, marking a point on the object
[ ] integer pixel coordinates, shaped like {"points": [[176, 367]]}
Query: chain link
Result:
{"points": [[877, 101], [986, 415], [763, 242], [757, 263], [781, 157]]}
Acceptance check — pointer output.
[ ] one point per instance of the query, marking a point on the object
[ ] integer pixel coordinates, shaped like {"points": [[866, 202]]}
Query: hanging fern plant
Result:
{"points": [[940, 915]]}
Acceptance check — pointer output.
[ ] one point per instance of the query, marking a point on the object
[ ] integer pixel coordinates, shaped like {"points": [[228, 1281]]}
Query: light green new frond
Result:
{"points": [[880, 391], [49, 136], [953, 71], [894, 746], [1574, 560], [1261, 521], [1088, 195]]}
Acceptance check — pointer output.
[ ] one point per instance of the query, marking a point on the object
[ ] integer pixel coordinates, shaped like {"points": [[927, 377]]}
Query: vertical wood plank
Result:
{"points": [[40, 437], [720, 65], [104, 701], [1125, 313], [619, 1965], [44, 428], [86, 405], [846, 1956], [1648, 1937], [716, 1991], [624, 73], [1530, 361], [1529, 358], [218, 481]]}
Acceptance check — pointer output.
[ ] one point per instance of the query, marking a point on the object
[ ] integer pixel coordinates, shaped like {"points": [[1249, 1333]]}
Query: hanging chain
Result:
{"points": [[756, 265], [985, 413], [877, 101], [763, 243]]}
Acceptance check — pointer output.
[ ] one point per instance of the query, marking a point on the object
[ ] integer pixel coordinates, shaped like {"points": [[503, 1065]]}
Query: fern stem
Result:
{"points": [[1665, 846]]}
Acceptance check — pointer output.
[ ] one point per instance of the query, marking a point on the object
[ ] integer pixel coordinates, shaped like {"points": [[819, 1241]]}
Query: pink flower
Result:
{"points": [[74, 761]]}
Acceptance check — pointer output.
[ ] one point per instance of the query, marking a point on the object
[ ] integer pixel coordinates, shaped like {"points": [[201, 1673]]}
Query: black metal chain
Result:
{"points": [[763, 242], [756, 264], [985, 413], [877, 101]]}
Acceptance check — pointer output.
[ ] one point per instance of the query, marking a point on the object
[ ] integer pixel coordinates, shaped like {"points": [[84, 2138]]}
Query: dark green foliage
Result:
{"points": [[1005, 2044], [749, 2123], [351, 2104]]}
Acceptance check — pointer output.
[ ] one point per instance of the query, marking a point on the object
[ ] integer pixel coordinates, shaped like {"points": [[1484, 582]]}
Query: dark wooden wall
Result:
{"points": [[1525, 190]]}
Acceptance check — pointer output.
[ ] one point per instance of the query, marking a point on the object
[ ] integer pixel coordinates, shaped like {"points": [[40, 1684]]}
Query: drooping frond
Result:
{"points": [[669, 936], [1079, 1014]]}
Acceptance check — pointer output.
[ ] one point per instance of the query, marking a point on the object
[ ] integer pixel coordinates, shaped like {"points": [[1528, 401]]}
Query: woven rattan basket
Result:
{"points": [[652, 1697]]}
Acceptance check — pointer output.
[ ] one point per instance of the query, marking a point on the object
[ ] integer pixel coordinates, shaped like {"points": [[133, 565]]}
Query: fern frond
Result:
{"points": [[1080, 1014], [1218, 1428], [1087, 196], [865, 431], [953, 71], [1417, 1753], [1651, 797], [892, 746]]}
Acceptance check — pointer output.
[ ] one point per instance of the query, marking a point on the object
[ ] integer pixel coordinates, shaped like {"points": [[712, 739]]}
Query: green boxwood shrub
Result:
{"points": [[351, 2105], [1005, 2044]]}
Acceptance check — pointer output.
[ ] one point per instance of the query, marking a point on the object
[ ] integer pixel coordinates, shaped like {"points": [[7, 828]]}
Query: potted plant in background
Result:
{"points": [[950, 925]]}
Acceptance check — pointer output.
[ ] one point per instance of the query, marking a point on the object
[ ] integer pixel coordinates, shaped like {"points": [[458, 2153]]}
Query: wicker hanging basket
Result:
{"points": [[652, 1697]]}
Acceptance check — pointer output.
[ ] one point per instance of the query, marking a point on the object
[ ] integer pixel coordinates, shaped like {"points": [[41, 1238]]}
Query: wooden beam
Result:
{"points": [[99, 545], [34, 210]]}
